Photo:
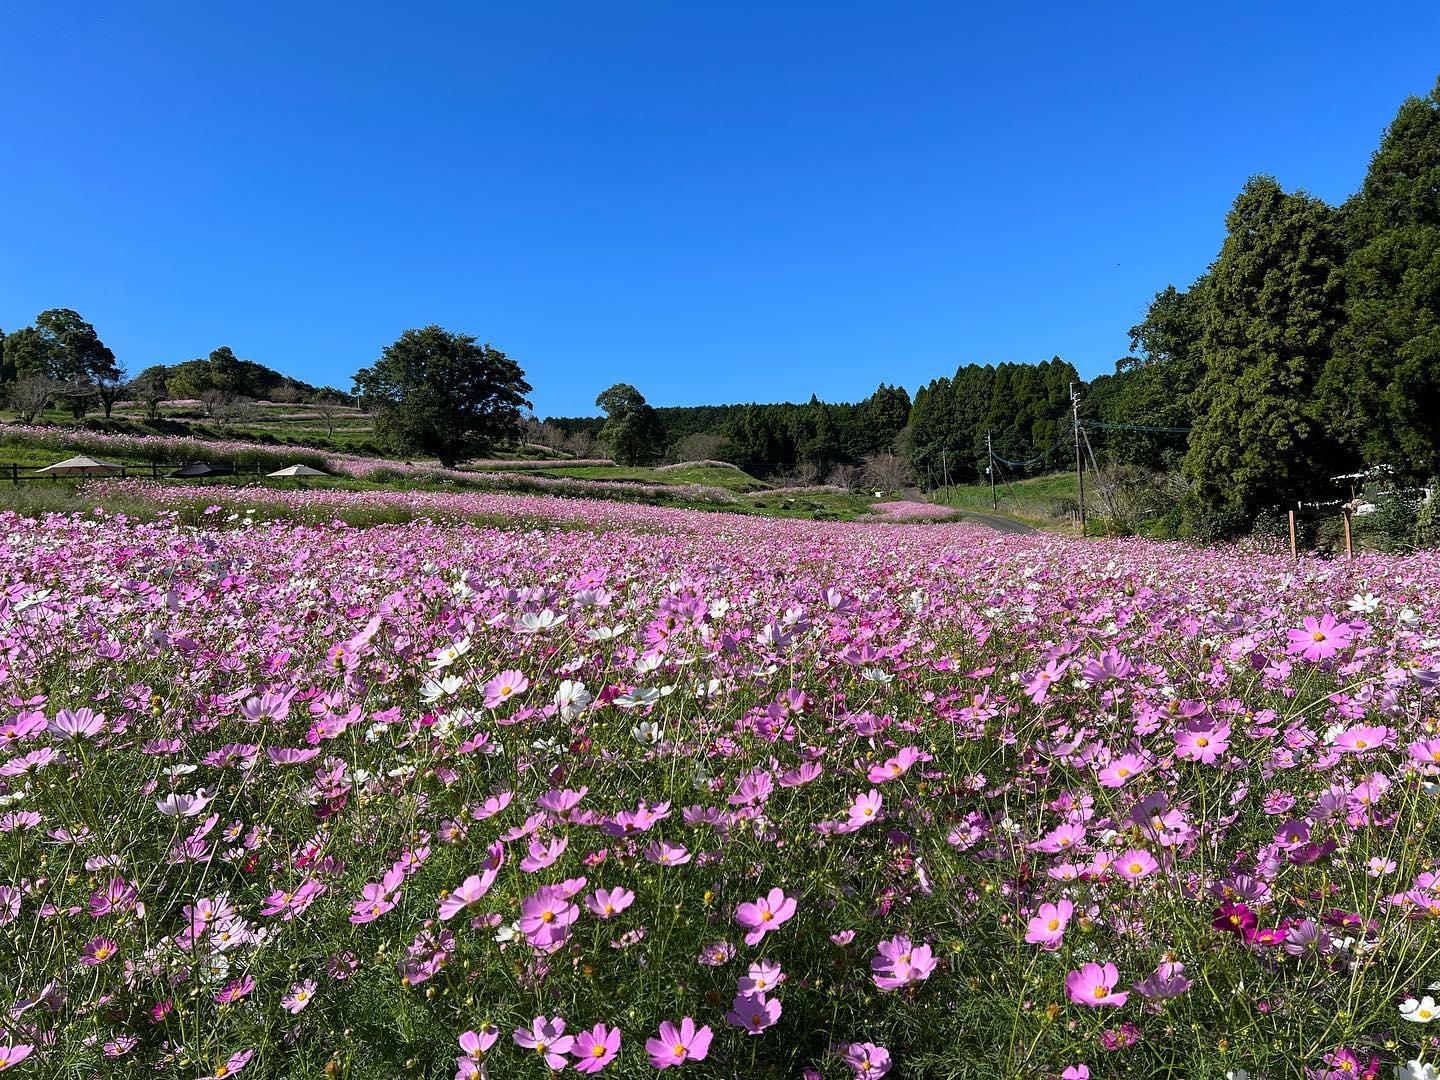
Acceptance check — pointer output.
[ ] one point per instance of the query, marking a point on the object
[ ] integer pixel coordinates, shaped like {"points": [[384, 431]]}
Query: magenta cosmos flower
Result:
{"points": [[1094, 985], [503, 687], [1320, 639], [901, 963], [12, 1054], [1047, 927], [864, 810], [869, 1061], [548, 1039], [469, 891], [604, 903], [764, 914], [753, 1012], [1135, 864], [677, 1045], [596, 1048]]}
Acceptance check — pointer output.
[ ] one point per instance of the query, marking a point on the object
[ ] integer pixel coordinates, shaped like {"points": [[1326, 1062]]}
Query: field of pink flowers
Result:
{"points": [[653, 790]]}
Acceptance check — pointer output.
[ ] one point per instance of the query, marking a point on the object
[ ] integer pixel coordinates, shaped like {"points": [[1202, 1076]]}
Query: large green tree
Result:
{"points": [[632, 433], [437, 392], [1381, 391], [1277, 300]]}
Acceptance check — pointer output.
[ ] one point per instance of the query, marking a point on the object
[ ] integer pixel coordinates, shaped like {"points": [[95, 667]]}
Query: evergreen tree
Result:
{"points": [[1277, 300], [1381, 392]]}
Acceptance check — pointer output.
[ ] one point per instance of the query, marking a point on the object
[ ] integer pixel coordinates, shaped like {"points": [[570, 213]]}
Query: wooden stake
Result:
{"points": [[1294, 550], [1349, 550]]}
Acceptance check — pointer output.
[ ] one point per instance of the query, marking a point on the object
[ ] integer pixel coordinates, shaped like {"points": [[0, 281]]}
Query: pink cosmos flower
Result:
{"points": [[1426, 752], [762, 978], [764, 914], [677, 1045], [901, 963], [1361, 737], [503, 687], [1061, 838], [80, 724], [548, 1039], [97, 951], [540, 855], [230, 1066], [299, 996], [1202, 743], [663, 854], [603, 903], [11, 1054], [1320, 640], [596, 1048], [864, 810], [869, 1061], [1037, 686], [1121, 771], [1094, 985], [753, 1012], [475, 1044], [468, 892], [895, 767], [1076, 1072], [717, 954], [546, 915], [1135, 864], [1047, 927], [235, 990]]}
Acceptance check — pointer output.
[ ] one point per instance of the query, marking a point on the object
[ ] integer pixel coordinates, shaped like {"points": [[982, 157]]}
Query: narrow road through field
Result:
{"points": [[994, 521], [999, 524]]}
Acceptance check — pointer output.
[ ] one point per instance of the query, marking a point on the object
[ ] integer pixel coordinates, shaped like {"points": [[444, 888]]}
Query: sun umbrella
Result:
{"points": [[297, 470], [80, 465]]}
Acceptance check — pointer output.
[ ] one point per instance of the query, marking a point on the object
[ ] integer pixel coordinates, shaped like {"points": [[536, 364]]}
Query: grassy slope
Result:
{"points": [[1040, 500]]}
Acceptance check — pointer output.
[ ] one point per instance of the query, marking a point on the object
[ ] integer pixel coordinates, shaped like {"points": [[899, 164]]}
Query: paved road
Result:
{"points": [[994, 521], [999, 524]]}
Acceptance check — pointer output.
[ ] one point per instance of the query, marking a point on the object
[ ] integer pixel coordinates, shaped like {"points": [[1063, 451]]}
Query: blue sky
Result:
{"points": [[715, 202]]}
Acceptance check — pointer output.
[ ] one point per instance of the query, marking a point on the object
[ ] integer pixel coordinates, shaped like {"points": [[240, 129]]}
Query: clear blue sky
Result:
{"points": [[716, 202]]}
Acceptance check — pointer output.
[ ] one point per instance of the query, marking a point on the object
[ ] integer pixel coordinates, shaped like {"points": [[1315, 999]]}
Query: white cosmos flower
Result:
{"points": [[875, 675], [638, 697], [1416, 1070], [571, 699], [1408, 616], [434, 690], [647, 663], [535, 622], [646, 732], [1419, 1012], [447, 656], [1364, 603]]}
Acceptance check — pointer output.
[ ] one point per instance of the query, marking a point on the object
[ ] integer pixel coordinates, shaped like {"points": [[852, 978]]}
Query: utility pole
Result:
{"points": [[1079, 461], [990, 453]]}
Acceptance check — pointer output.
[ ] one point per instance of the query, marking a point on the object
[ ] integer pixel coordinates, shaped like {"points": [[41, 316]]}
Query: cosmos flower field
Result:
{"points": [[623, 790]]}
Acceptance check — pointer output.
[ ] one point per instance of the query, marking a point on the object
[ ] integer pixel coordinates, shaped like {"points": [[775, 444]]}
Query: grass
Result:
{"points": [[1039, 500]]}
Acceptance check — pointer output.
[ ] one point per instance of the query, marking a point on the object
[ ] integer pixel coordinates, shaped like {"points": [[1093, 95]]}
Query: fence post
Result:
{"points": [[1294, 550], [1349, 550], [15, 474]]}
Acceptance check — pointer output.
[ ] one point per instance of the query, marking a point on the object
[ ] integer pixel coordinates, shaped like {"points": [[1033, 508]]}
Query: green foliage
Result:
{"points": [[633, 432], [1276, 303], [1382, 390], [442, 393], [1024, 407]]}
